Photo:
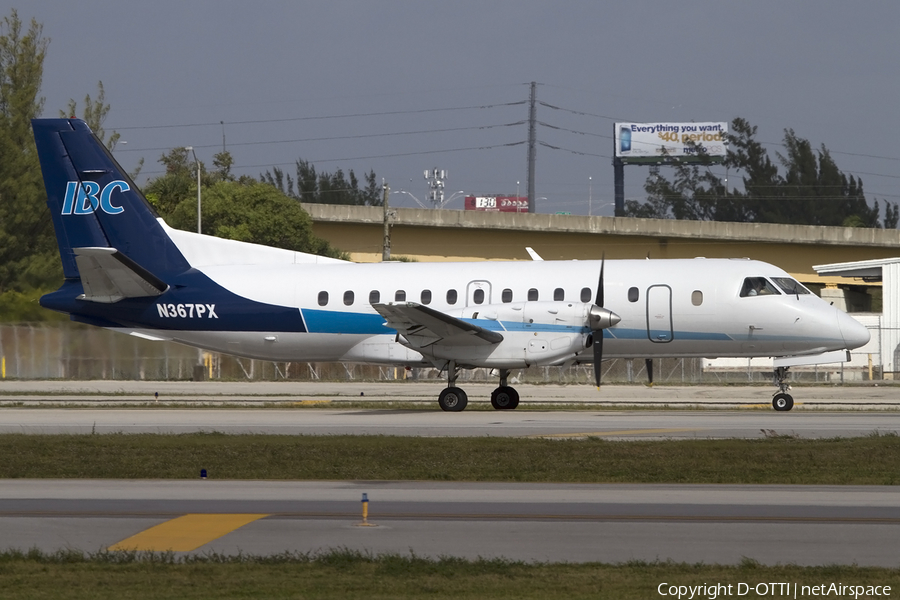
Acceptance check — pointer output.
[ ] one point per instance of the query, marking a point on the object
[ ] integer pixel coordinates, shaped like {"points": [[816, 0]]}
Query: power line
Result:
{"points": [[340, 137], [578, 112], [325, 117], [552, 147], [325, 160]]}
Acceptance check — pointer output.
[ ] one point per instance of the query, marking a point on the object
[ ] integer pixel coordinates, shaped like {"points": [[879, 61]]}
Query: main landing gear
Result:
{"points": [[454, 399], [504, 397], [782, 401]]}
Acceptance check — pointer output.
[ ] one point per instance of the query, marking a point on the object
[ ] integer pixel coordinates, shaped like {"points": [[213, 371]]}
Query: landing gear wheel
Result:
{"points": [[504, 398], [783, 402], [453, 399]]}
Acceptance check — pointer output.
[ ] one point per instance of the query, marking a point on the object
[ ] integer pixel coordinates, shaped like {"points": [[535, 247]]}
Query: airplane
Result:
{"points": [[127, 270]]}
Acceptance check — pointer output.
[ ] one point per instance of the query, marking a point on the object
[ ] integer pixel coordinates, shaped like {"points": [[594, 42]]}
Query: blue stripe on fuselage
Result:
{"points": [[329, 321]]}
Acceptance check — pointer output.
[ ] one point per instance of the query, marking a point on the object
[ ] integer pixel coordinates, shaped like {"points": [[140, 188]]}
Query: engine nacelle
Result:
{"points": [[575, 315], [534, 333]]}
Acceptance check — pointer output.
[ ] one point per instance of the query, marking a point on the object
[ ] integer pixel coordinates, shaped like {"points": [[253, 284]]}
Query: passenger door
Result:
{"points": [[659, 314]]}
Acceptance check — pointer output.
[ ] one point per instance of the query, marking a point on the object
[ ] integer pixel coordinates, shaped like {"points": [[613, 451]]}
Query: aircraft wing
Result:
{"points": [[108, 276], [423, 326]]}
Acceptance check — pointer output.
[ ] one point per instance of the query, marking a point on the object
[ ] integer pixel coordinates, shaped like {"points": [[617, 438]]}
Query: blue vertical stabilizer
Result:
{"points": [[95, 204]]}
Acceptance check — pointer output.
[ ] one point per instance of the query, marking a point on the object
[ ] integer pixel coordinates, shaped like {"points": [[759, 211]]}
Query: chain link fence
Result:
{"points": [[79, 352]]}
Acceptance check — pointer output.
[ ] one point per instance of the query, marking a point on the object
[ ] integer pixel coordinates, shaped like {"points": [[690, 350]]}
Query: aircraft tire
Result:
{"points": [[505, 398], [453, 399], [783, 402]]}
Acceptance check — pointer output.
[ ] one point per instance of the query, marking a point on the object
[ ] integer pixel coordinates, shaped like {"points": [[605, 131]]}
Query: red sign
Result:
{"points": [[497, 203]]}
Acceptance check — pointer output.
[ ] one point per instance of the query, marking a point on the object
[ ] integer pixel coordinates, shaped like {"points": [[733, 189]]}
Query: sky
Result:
{"points": [[399, 87]]}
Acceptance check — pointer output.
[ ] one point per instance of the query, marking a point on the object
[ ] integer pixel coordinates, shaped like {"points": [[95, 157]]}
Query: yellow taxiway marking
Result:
{"points": [[185, 533], [620, 432]]}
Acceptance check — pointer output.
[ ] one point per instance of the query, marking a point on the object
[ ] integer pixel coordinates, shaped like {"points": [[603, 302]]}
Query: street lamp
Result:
{"points": [[419, 202], [191, 148], [201, 359], [452, 196], [590, 195]]}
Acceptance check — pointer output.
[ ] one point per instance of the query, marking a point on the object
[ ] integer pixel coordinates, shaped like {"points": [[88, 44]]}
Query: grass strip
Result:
{"points": [[868, 460], [352, 574]]}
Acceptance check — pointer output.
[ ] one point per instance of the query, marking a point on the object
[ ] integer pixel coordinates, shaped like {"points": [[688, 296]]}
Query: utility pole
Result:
{"points": [[532, 145], [386, 248], [619, 183]]}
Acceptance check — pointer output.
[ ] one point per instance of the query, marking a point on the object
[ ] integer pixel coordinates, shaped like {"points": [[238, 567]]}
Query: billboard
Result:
{"points": [[497, 203], [657, 143]]}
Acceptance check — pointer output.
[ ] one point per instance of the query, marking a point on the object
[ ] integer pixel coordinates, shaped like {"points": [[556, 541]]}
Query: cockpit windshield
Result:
{"points": [[758, 286], [790, 286]]}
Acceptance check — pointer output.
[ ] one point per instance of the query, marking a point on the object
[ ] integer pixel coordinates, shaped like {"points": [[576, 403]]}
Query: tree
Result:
{"points": [[239, 209], [28, 254], [165, 193], [95, 112], [891, 215], [325, 187], [251, 211], [811, 190]]}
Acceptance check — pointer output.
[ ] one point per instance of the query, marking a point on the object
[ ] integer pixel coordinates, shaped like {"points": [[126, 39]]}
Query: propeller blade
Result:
{"points": [[599, 301], [649, 363], [598, 354]]}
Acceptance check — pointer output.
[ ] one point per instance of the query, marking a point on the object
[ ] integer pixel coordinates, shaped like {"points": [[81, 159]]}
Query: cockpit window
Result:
{"points": [[758, 286], [790, 286]]}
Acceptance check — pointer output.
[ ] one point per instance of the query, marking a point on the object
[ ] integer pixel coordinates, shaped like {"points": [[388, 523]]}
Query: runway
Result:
{"points": [[610, 424], [885, 396], [804, 525], [324, 408]]}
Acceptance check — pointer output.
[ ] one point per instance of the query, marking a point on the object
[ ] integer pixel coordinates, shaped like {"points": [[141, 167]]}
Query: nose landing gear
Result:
{"points": [[782, 401], [504, 397]]}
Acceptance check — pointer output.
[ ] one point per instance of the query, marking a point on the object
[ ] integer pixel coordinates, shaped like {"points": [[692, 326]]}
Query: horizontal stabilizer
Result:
{"points": [[108, 276], [423, 326], [534, 255]]}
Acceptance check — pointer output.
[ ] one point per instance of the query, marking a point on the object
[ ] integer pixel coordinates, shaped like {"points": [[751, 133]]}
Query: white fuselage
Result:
{"points": [[668, 308]]}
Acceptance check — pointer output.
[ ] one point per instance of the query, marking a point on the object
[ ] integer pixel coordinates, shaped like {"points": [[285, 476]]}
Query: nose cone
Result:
{"points": [[855, 334], [601, 318]]}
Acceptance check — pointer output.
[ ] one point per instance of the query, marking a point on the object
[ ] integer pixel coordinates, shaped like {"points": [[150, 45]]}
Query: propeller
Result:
{"points": [[599, 319], [649, 363]]}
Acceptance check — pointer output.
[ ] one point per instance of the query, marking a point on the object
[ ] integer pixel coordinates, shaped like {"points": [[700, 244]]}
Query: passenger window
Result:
{"points": [[400, 296], [506, 296], [758, 286], [348, 298], [586, 294], [532, 295], [451, 296], [790, 286], [633, 294], [374, 297], [478, 296], [323, 298], [426, 296], [559, 294], [696, 297]]}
